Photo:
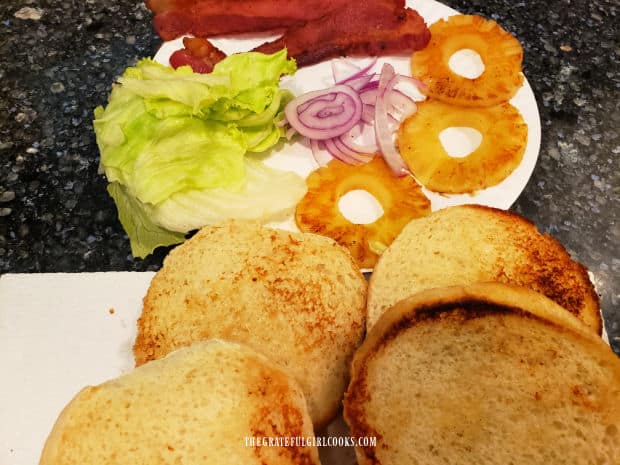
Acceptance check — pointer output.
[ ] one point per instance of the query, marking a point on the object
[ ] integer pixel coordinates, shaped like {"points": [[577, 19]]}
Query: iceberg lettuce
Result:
{"points": [[191, 209], [174, 146]]}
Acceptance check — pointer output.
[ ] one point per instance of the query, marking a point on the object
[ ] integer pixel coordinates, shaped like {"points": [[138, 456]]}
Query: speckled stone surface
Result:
{"points": [[58, 60]]}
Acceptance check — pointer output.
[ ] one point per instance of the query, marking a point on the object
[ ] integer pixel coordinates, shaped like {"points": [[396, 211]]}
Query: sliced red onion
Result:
{"points": [[320, 156], [326, 98], [336, 152], [393, 124], [415, 81], [369, 96], [354, 134], [358, 105], [359, 156], [373, 84], [400, 105], [384, 135], [412, 87], [361, 72], [325, 113], [322, 109], [368, 114], [359, 82], [343, 70]]}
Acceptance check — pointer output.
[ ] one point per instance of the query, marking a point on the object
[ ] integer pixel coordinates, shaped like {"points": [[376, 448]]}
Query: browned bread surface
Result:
{"points": [[297, 298], [193, 407], [470, 243], [484, 374]]}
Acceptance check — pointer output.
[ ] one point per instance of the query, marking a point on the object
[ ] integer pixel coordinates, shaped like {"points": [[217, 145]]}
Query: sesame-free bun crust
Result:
{"points": [[193, 407], [486, 374], [470, 243], [298, 298]]}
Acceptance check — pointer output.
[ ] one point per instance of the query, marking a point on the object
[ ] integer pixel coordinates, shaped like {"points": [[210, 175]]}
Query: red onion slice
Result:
{"points": [[400, 105], [320, 156], [335, 151], [326, 113], [359, 82], [358, 131], [373, 84], [409, 82], [343, 70], [369, 96], [368, 114], [384, 135], [358, 105], [393, 124], [354, 71], [326, 98], [359, 156]]}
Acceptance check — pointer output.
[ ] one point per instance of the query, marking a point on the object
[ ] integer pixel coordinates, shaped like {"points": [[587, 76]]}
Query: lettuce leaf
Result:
{"points": [[192, 209], [144, 235], [149, 226], [169, 135], [188, 153]]}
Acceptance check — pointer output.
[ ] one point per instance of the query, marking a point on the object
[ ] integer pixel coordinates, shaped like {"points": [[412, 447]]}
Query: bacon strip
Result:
{"points": [[316, 29], [173, 18], [198, 53], [206, 18], [370, 28]]}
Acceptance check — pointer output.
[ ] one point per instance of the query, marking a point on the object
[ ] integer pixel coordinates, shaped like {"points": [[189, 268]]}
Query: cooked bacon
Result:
{"points": [[173, 18], [159, 6], [198, 53], [209, 26], [205, 18], [365, 28], [344, 28], [172, 24], [298, 10]]}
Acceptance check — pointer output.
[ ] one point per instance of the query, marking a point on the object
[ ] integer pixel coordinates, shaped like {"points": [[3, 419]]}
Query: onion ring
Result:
{"points": [[324, 114]]}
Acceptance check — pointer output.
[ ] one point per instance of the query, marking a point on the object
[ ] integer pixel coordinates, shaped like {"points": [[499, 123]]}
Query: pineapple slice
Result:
{"points": [[401, 198], [504, 137], [500, 52]]}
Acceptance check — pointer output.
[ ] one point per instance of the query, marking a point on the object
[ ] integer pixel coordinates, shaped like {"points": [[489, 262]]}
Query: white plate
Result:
{"points": [[297, 156]]}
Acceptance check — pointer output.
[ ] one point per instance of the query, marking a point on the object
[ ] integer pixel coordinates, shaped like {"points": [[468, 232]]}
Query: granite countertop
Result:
{"points": [[58, 59]]}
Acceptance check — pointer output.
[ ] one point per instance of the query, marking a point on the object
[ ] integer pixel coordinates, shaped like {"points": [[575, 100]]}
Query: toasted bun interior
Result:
{"points": [[297, 298], [196, 406], [469, 244], [484, 374]]}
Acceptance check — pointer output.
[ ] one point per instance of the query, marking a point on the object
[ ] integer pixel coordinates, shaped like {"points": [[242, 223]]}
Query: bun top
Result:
{"points": [[198, 404], [298, 298], [487, 373], [469, 244]]}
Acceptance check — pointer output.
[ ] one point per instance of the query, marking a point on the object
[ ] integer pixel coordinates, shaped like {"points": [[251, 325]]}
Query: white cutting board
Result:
{"points": [[59, 333]]}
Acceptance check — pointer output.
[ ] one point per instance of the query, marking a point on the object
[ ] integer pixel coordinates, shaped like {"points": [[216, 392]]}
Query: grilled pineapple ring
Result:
{"points": [[401, 198], [500, 52], [504, 137]]}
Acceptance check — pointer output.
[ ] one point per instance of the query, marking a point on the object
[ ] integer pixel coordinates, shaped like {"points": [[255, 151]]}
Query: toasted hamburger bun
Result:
{"points": [[297, 298], [487, 374], [468, 244], [196, 406]]}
